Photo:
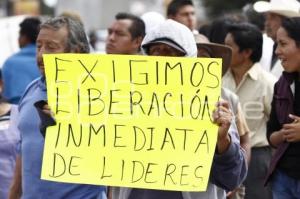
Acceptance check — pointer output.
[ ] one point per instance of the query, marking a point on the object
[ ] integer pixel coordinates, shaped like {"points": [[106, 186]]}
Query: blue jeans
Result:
{"points": [[285, 187]]}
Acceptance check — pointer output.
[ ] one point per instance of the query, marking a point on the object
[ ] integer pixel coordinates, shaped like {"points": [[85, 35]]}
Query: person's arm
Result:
{"points": [[274, 133], [291, 131], [229, 167], [276, 138], [245, 144], [243, 130], [15, 191]]}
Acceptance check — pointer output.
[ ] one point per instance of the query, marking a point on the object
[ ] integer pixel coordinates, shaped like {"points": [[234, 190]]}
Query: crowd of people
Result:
{"points": [[258, 144]]}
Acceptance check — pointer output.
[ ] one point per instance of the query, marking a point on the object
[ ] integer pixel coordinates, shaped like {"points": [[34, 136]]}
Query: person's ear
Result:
{"points": [[247, 53], [23, 41], [137, 42], [171, 17]]}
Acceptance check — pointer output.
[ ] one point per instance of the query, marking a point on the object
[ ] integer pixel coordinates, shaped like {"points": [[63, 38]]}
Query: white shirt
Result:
{"points": [[255, 92], [266, 58]]}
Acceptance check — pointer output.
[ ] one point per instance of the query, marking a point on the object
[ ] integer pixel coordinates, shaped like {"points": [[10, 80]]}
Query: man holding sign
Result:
{"points": [[142, 121], [57, 35], [121, 120], [229, 164]]}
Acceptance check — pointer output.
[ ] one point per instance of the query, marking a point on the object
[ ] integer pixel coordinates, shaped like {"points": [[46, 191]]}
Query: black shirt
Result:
{"points": [[290, 161]]}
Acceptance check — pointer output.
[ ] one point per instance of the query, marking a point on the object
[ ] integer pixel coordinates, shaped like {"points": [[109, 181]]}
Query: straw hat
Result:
{"points": [[287, 8]]}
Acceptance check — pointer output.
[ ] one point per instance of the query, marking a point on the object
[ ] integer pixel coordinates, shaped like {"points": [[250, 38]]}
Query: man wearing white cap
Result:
{"points": [[229, 168], [275, 11]]}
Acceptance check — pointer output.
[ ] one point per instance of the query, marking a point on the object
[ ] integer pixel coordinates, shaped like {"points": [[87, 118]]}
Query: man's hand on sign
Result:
{"points": [[222, 116], [46, 116]]}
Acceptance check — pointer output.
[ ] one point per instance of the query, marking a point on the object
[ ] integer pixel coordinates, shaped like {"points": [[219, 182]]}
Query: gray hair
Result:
{"points": [[76, 39]]}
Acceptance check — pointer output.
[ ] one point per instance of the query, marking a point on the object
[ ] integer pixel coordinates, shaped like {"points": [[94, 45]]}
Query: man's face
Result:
{"points": [[186, 15], [119, 39], [272, 24], [161, 49], [238, 57], [50, 41]]}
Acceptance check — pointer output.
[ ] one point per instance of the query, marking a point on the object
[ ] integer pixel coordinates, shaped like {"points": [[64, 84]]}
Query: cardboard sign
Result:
{"points": [[131, 121]]}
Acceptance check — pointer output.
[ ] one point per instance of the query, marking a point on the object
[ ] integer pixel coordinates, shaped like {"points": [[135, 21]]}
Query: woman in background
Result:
{"points": [[283, 129], [9, 139]]}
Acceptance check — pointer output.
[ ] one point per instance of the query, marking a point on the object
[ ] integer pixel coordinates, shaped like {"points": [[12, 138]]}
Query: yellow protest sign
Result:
{"points": [[133, 121]]}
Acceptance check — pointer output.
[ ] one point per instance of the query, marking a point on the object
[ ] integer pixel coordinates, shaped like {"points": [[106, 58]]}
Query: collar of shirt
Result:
{"points": [[251, 73], [29, 48], [42, 83], [254, 71]]}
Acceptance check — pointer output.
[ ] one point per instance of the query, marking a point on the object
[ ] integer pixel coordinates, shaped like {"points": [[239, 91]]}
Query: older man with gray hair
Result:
{"points": [[57, 35]]}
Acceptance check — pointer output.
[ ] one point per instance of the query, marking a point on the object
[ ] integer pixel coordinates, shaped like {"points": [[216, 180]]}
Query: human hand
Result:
{"points": [[46, 116], [222, 116], [291, 131], [46, 109]]}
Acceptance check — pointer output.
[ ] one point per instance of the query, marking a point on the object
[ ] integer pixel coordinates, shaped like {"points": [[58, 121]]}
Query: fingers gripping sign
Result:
{"points": [[222, 116]]}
